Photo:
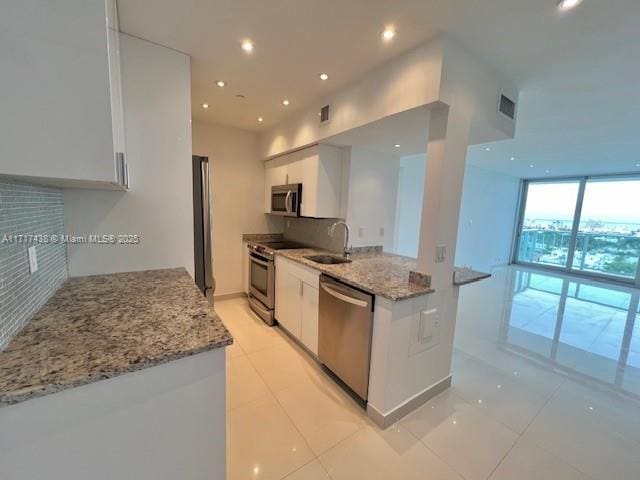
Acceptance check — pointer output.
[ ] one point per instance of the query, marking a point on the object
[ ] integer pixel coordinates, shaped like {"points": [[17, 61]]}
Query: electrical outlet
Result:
{"points": [[382, 231], [361, 231], [441, 253], [33, 260]]}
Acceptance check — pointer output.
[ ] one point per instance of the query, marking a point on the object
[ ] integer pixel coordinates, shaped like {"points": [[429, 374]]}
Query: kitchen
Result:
{"points": [[136, 359]]}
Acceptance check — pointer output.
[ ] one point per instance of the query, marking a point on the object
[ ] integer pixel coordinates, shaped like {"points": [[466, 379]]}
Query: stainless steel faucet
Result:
{"points": [[346, 250]]}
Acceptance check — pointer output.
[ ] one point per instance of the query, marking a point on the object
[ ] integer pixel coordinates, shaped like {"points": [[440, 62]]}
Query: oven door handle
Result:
{"points": [[259, 261]]}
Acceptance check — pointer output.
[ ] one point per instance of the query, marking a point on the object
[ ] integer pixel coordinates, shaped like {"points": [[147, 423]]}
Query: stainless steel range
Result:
{"points": [[262, 276]]}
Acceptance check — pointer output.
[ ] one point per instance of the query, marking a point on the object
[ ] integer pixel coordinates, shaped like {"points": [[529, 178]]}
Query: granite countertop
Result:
{"points": [[382, 274], [465, 276], [103, 326]]}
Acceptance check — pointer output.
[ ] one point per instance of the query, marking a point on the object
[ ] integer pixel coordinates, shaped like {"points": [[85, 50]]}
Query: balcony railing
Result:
{"points": [[607, 253]]}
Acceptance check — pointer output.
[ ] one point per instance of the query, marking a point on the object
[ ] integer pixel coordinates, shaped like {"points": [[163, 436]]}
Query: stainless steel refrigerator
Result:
{"points": [[202, 227]]}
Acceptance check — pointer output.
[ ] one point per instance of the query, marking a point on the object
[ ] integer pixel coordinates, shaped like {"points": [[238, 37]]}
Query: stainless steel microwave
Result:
{"points": [[286, 200]]}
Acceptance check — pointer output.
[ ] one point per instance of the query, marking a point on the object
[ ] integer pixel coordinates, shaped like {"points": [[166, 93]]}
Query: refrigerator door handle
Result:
{"points": [[206, 222]]}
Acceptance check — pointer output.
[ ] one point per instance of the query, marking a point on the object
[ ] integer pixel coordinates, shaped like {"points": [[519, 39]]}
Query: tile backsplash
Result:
{"points": [[315, 232], [27, 209]]}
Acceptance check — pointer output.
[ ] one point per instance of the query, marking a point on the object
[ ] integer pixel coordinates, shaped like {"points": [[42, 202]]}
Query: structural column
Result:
{"points": [[446, 155]]}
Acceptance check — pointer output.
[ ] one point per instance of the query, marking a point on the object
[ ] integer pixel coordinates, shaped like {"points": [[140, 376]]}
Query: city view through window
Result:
{"points": [[607, 237]]}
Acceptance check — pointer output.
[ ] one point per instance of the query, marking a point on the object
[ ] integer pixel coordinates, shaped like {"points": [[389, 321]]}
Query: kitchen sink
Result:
{"points": [[327, 259]]}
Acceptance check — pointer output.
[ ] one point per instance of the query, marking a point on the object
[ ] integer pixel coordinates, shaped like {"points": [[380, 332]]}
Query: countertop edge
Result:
{"points": [[471, 276], [8, 400], [392, 298]]}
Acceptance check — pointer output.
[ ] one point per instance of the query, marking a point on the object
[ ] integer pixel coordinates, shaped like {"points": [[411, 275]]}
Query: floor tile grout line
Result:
{"points": [[419, 440], [521, 435], [273, 392], [546, 450]]}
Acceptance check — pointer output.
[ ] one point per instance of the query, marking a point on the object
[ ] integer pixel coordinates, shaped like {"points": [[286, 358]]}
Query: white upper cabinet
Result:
{"points": [[62, 115], [320, 171]]}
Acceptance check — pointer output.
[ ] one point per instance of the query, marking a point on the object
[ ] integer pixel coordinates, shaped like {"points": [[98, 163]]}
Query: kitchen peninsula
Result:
{"points": [[101, 374]]}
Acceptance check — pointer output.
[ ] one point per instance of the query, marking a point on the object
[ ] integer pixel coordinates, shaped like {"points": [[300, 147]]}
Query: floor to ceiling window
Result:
{"points": [[587, 224]]}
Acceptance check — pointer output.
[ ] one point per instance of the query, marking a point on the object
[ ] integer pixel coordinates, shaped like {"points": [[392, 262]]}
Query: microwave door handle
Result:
{"points": [[287, 202]]}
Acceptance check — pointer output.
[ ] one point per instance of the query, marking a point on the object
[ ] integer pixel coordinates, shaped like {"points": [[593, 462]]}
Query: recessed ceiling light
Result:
{"points": [[637, 164], [397, 145], [531, 166], [205, 105], [388, 34], [565, 5], [247, 46], [324, 76], [260, 119], [512, 158], [487, 149], [285, 102], [221, 83], [547, 171]]}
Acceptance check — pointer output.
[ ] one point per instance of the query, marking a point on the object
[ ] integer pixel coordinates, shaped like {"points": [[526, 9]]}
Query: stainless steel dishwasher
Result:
{"points": [[345, 326]]}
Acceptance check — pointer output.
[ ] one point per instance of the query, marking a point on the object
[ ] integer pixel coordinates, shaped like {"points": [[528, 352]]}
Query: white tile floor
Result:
{"points": [[545, 386]]}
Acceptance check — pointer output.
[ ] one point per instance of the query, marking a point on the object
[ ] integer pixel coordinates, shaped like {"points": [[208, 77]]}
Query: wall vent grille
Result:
{"points": [[507, 107]]}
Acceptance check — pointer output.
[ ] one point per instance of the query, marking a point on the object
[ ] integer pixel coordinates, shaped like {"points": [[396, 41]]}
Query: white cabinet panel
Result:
{"points": [[309, 327], [319, 169], [297, 301], [275, 174], [288, 298], [57, 108]]}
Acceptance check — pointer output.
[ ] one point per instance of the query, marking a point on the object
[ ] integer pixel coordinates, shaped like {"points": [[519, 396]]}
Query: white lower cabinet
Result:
{"points": [[297, 301], [309, 327]]}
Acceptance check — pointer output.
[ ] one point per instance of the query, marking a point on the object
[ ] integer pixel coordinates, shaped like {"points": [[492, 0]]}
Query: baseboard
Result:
{"points": [[385, 420], [229, 296]]}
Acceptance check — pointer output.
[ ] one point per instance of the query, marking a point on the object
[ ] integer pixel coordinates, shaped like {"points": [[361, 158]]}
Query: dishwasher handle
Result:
{"points": [[343, 297]]}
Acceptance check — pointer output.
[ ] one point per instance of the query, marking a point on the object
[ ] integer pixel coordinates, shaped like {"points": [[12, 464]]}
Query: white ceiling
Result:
{"points": [[578, 72]]}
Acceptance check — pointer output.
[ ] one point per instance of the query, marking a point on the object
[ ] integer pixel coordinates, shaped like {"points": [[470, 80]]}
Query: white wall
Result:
{"points": [[409, 80], [371, 204], [409, 204], [237, 192], [157, 99], [487, 218]]}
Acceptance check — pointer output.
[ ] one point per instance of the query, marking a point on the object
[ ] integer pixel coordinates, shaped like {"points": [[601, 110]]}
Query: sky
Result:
{"points": [[613, 201]]}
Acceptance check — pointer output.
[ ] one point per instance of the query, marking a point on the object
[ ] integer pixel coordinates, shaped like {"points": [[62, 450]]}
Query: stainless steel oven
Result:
{"points": [[262, 286], [262, 276], [286, 200]]}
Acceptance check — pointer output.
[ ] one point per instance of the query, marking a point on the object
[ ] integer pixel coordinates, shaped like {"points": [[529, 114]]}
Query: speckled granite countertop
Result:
{"points": [[464, 276], [102, 326], [382, 274]]}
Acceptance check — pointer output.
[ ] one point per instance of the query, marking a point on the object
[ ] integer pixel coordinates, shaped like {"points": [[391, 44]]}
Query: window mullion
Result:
{"points": [[576, 224]]}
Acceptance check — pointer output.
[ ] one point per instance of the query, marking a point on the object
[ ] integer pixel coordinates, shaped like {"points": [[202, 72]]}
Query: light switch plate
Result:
{"points": [[361, 231], [382, 231], [33, 260]]}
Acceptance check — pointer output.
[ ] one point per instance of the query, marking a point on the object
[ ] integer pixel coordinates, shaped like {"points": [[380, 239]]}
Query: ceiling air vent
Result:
{"points": [[324, 115], [507, 107]]}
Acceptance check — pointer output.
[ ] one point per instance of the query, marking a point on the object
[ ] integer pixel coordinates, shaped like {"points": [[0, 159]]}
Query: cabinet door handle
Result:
{"points": [[301, 289]]}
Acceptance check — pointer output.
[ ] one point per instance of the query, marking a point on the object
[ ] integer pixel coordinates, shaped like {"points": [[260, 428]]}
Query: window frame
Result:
{"points": [[568, 268]]}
